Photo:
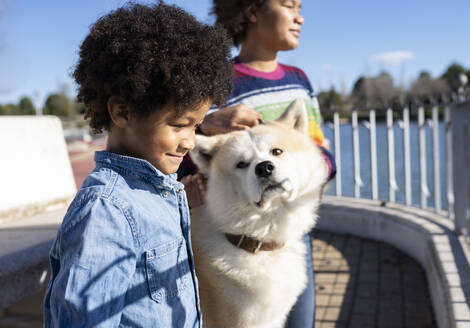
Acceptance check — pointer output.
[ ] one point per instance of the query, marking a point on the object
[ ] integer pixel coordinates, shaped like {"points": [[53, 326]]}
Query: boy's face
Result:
{"points": [[163, 138], [278, 24]]}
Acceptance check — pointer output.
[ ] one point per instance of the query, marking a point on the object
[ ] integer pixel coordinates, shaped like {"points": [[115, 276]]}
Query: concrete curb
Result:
{"points": [[427, 237], [24, 254]]}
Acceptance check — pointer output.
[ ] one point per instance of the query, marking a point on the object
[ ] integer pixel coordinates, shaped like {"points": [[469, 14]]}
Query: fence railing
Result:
{"points": [[428, 156]]}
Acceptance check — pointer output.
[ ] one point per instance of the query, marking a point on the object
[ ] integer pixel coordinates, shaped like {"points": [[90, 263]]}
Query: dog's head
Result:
{"points": [[263, 168]]}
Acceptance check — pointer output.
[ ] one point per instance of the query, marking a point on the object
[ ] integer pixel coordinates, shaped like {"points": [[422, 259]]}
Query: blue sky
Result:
{"points": [[340, 40]]}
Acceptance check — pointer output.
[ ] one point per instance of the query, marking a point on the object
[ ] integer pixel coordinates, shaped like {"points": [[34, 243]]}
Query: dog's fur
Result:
{"points": [[254, 290]]}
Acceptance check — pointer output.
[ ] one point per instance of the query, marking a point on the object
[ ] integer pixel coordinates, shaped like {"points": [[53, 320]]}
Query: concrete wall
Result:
{"points": [[35, 169]]}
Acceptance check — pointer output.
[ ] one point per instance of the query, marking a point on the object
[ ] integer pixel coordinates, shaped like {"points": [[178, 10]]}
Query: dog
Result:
{"points": [[263, 191]]}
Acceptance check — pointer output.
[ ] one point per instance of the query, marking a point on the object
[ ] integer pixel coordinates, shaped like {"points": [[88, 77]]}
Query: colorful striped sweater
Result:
{"points": [[270, 94]]}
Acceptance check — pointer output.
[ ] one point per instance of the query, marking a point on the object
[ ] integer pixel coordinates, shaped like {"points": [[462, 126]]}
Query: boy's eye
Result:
{"points": [[179, 125]]}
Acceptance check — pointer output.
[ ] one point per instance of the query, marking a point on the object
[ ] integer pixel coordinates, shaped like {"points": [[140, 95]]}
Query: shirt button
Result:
{"points": [[166, 193], [179, 191]]}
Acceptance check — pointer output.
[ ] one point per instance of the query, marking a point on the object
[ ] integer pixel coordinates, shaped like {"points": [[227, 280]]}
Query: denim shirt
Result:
{"points": [[122, 256]]}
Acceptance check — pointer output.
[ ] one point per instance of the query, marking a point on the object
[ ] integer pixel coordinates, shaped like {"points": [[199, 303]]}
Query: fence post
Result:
{"points": [[460, 113]]}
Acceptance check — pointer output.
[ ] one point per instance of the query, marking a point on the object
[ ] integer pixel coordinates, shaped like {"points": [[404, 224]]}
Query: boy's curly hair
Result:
{"points": [[150, 56], [231, 15]]}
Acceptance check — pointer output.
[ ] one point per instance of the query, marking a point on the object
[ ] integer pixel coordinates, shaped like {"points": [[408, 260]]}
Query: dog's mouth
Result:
{"points": [[271, 190]]}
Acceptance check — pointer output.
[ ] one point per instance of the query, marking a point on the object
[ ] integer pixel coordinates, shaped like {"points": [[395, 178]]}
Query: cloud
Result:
{"points": [[393, 58]]}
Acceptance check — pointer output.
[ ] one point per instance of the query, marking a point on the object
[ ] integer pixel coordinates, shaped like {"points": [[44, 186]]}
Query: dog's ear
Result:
{"points": [[205, 149], [295, 116]]}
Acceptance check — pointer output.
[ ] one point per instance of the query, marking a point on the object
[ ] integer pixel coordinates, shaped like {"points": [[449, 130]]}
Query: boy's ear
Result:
{"points": [[118, 111], [205, 149], [250, 13], [295, 116]]}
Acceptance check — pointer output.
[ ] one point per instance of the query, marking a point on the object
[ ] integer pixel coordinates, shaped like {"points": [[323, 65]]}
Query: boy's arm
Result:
{"points": [[96, 262]]}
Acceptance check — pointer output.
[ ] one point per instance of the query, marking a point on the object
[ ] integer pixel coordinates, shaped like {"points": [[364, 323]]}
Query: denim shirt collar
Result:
{"points": [[136, 166]]}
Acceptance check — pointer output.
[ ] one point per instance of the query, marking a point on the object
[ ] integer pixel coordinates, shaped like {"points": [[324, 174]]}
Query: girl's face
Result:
{"points": [[277, 24]]}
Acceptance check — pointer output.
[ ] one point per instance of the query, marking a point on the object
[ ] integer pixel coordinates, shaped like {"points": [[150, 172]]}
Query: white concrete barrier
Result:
{"points": [[36, 185], [427, 237]]}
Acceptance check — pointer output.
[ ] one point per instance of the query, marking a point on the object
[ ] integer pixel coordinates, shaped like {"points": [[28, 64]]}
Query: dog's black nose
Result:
{"points": [[264, 169]]}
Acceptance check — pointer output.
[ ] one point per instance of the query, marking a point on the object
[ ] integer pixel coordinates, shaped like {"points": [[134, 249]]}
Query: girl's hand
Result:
{"points": [[195, 186], [238, 117]]}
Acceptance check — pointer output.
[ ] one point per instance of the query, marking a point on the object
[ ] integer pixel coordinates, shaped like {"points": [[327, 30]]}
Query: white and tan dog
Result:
{"points": [[263, 191]]}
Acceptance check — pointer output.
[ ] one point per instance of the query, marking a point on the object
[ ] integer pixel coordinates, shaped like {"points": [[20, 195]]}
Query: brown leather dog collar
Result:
{"points": [[250, 244]]}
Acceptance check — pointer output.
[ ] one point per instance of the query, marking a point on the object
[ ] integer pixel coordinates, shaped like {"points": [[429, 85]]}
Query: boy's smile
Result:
{"points": [[160, 138]]}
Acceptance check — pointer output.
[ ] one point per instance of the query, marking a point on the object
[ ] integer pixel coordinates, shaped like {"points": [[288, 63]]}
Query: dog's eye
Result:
{"points": [[242, 165], [276, 151]]}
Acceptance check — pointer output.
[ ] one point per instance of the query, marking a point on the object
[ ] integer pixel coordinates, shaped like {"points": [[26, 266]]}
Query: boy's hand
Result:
{"points": [[195, 186], [238, 117]]}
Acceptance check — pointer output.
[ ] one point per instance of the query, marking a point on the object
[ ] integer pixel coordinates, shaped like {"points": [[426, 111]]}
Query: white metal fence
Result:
{"points": [[453, 141]]}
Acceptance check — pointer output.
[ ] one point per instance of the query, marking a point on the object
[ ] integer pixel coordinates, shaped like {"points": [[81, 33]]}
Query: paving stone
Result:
{"points": [[336, 300], [325, 277], [368, 277], [360, 321], [322, 300], [323, 288], [332, 313], [319, 312], [340, 288], [367, 290], [343, 277], [364, 306]]}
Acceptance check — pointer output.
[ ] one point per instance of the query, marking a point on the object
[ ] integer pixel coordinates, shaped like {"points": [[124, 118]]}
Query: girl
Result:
{"points": [[263, 88]]}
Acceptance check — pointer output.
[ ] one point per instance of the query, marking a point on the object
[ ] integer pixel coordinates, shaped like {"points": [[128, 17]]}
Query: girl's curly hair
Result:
{"points": [[150, 56], [231, 15]]}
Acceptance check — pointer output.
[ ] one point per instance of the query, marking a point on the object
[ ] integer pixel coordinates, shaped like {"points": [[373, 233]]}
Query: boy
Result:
{"points": [[122, 257]]}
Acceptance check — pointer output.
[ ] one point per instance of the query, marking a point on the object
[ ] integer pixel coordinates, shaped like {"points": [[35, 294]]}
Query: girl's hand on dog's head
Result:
{"points": [[195, 186], [238, 117]]}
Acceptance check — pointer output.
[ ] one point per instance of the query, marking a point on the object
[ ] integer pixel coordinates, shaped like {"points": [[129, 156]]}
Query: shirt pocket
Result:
{"points": [[168, 272]]}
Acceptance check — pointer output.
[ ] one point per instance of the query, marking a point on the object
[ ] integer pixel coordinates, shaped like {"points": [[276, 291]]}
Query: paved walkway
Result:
{"points": [[359, 283]]}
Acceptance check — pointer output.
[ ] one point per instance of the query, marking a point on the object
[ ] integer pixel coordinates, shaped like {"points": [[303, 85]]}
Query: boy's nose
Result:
{"points": [[299, 19], [189, 142]]}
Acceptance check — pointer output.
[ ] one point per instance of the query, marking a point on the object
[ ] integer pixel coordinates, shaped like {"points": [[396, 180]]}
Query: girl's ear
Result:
{"points": [[250, 13], [118, 111]]}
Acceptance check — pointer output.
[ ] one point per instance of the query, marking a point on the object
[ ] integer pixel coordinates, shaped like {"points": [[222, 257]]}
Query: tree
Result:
{"points": [[452, 71], [330, 99], [373, 91], [79, 108], [425, 86], [26, 106], [9, 109], [58, 104], [359, 92]]}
